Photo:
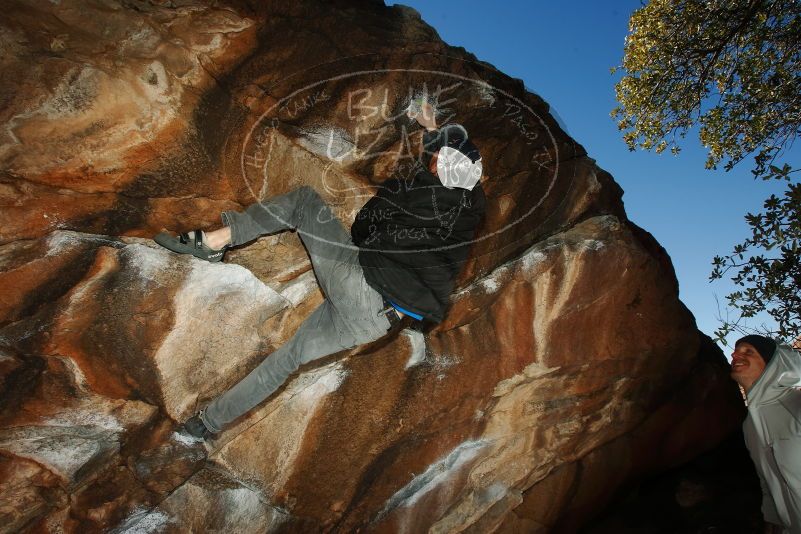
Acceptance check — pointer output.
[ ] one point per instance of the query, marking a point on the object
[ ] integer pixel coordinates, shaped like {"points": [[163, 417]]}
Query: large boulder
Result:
{"points": [[566, 366]]}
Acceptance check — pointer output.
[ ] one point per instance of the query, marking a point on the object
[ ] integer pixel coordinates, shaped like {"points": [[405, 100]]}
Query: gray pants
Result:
{"points": [[349, 316]]}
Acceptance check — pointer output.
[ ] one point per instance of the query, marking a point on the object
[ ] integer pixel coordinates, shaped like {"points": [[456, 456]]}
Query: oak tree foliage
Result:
{"points": [[731, 69]]}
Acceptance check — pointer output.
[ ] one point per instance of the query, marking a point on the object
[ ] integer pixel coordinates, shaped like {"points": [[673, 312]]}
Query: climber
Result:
{"points": [[401, 258], [770, 375]]}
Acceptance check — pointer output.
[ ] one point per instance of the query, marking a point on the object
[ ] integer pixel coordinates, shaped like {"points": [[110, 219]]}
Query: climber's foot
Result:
{"points": [[195, 427], [190, 243]]}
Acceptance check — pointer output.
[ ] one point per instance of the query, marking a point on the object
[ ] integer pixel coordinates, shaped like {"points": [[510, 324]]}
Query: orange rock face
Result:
{"points": [[565, 368]]}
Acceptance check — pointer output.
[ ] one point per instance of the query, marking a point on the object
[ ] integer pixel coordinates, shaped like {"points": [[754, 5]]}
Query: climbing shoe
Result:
{"points": [[186, 244], [195, 426]]}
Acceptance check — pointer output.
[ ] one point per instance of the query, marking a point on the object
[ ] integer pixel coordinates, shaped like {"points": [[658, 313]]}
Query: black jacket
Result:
{"points": [[415, 236]]}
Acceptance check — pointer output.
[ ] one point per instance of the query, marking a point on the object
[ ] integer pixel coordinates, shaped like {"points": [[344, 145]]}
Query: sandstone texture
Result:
{"points": [[566, 368]]}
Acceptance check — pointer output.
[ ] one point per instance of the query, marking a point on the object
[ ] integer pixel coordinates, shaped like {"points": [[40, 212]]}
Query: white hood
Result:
{"points": [[782, 372]]}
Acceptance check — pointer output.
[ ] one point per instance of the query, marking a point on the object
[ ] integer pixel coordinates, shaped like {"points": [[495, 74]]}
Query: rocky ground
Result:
{"points": [[715, 492]]}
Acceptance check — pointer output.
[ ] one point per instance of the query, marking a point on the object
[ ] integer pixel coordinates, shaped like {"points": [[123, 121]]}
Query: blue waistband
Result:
{"points": [[407, 312]]}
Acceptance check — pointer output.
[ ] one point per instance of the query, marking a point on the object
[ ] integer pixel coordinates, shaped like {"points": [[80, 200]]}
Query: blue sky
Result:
{"points": [[564, 53]]}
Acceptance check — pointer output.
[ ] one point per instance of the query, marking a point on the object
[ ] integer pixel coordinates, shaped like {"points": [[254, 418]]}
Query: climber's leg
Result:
{"points": [[326, 331], [219, 238], [349, 316], [326, 239], [334, 257]]}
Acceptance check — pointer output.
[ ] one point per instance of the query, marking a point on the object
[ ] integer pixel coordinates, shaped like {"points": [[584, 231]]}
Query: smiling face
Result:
{"points": [[746, 365]]}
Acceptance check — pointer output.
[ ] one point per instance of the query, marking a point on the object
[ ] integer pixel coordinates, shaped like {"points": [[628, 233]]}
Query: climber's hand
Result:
{"points": [[425, 117]]}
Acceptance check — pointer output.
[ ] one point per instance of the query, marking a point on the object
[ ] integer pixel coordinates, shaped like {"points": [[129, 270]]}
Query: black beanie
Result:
{"points": [[765, 346]]}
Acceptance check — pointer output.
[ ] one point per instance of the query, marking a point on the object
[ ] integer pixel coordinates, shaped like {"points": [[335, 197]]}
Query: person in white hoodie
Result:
{"points": [[770, 375]]}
